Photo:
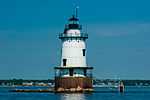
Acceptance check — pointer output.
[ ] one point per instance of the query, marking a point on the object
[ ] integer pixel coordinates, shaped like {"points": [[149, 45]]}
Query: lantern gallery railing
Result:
{"points": [[82, 35]]}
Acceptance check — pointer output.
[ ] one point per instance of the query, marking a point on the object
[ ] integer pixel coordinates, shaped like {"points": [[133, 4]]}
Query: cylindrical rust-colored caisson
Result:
{"points": [[75, 84]]}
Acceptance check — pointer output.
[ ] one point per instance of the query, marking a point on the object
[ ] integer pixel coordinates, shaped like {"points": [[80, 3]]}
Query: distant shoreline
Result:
{"points": [[50, 82]]}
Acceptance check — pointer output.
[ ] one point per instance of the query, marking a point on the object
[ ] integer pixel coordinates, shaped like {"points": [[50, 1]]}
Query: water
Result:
{"points": [[131, 93]]}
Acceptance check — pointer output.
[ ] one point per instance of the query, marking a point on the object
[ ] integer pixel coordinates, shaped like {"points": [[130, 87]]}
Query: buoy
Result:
{"points": [[121, 87]]}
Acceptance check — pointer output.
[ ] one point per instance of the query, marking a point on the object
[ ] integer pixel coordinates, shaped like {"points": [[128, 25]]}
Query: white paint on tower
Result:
{"points": [[72, 50]]}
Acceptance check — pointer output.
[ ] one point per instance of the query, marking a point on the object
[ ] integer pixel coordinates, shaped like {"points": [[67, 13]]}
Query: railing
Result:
{"points": [[81, 35], [77, 72]]}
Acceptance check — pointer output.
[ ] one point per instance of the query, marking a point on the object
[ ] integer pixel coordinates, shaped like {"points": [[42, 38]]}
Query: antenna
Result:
{"points": [[76, 11]]}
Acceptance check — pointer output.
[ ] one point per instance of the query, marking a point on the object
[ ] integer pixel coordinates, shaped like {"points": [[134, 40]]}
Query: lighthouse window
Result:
{"points": [[83, 50], [64, 62]]}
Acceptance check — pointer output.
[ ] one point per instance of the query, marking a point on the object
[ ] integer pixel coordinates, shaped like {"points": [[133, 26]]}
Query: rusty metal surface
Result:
{"points": [[73, 82]]}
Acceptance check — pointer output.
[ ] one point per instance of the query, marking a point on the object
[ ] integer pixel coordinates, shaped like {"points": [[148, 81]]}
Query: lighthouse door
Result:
{"points": [[64, 62], [71, 72]]}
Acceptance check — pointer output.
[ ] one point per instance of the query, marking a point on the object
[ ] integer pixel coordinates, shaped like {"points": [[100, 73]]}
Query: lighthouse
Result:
{"points": [[73, 74]]}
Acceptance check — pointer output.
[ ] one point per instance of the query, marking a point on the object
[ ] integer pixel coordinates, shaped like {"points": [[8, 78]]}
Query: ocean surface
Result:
{"points": [[131, 93]]}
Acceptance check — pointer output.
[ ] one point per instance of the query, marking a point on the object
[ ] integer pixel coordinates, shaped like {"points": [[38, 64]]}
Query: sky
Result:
{"points": [[118, 44]]}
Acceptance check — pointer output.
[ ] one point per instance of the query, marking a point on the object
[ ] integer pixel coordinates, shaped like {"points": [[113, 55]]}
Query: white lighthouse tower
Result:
{"points": [[73, 71], [73, 45]]}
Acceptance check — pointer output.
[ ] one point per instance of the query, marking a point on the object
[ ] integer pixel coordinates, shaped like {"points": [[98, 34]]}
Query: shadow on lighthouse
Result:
{"points": [[73, 74]]}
